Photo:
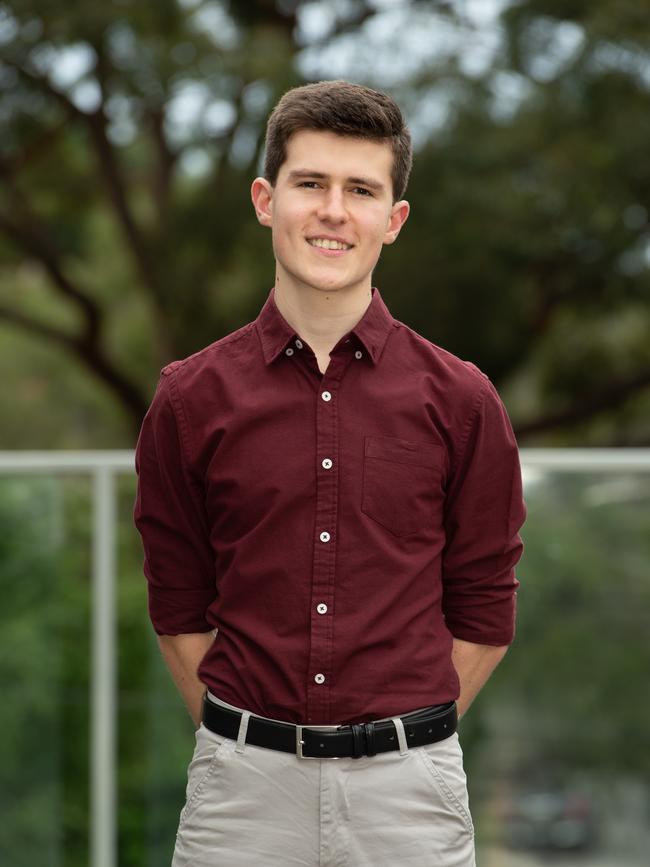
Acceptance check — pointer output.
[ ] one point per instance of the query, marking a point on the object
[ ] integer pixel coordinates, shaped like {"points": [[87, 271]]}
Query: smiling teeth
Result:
{"points": [[326, 244]]}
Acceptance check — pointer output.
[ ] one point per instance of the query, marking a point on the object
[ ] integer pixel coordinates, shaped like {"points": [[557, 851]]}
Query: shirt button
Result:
{"points": [[326, 395], [324, 536], [358, 354], [319, 678], [326, 464], [322, 608], [299, 344], [288, 351]]}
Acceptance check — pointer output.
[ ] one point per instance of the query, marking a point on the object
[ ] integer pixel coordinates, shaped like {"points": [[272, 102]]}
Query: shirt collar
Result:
{"points": [[371, 330]]}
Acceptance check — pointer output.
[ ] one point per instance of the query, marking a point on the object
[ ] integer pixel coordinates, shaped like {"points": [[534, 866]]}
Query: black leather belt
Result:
{"points": [[328, 742]]}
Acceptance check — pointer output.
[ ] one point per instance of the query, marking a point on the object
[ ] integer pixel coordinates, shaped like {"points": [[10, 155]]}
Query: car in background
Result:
{"points": [[552, 820]]}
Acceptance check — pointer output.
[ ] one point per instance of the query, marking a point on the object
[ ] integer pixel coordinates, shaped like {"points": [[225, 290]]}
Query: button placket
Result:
{"points": [[327, 445]]}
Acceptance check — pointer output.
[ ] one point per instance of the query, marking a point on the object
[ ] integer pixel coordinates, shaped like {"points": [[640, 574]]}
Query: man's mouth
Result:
{"points": [[328, 244]]}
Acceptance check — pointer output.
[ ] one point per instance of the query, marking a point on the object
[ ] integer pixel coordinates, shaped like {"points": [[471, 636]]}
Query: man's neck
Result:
{"points": [[321, 317]]}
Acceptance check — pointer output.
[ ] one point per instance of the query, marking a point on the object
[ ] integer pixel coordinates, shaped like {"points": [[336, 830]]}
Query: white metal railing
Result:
{"points": [[103, 467], [582, 460]]}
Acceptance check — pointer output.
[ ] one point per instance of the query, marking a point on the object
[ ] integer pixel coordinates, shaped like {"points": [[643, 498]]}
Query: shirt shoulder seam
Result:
{"points": [[244, 331], [479, 400], [178, 409]]}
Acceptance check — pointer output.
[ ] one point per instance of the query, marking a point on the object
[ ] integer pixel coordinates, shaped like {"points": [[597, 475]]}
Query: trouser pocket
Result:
{"points": [[207, 755], [444, 763]]}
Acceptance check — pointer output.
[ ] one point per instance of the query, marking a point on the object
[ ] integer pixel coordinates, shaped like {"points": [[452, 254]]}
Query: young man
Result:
{"points": [[330, 507]]}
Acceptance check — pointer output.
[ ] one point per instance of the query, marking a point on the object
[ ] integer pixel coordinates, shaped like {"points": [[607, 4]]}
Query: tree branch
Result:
{"points": [[613, 394], [96, 122], [117, 194], [34, 151], [43, 83], [166, 159], [553, 290], [40, 329], [33, 242], [344, 25], [226, 139], [86, 345], [91, 355]]}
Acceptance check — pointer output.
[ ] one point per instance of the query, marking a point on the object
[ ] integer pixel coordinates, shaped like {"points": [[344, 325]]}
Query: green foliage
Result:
{"points": [[568, 699], [576, 670], [45, 670], [127, 237]]}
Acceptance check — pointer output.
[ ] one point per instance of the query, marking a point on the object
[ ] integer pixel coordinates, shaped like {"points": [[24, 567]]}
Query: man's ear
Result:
{"points": [[398, 215], [262, 196]]}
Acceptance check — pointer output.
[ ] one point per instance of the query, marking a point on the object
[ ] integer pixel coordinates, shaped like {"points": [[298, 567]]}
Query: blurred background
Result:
{"points": [[129, 135]]}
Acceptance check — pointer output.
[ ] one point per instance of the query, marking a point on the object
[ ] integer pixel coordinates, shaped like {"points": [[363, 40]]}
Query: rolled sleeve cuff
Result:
{"points": [[177, 612], [491, 621]]}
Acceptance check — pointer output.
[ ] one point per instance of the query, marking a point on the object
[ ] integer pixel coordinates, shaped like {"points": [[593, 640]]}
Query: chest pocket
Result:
{"points": [[402, 482]]}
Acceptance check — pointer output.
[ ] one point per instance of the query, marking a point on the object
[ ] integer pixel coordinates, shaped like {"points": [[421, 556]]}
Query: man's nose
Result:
{"points": [[332, 207]]}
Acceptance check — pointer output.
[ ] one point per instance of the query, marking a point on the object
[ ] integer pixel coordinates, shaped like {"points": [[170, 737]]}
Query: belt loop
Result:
{"points": [[243, 728], [357, 741], [369, 730], [401, 735]]}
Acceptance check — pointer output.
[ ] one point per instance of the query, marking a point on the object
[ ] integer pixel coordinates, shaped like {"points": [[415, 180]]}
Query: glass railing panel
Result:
{"points": [[155, 732], [44, 713], [557, 745]]}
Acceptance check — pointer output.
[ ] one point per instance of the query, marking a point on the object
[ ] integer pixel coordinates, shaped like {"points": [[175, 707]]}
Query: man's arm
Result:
{"points": [[474, 664], [183, 655]]}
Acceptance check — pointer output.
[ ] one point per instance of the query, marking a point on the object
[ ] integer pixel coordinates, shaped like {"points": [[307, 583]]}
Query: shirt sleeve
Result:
{"points": [[484, 512], [170, 515]]}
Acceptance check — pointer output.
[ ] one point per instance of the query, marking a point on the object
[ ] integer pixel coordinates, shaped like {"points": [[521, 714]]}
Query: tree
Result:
{"points": [[131, 132], [533, 229], [100, 142]]}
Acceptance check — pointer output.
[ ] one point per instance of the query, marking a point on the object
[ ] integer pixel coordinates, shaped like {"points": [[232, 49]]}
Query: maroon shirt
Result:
{"points": [[338, 529]]}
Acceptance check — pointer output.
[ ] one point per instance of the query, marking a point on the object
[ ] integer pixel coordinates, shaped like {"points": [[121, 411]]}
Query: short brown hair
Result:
{"points": [[345, 109]]}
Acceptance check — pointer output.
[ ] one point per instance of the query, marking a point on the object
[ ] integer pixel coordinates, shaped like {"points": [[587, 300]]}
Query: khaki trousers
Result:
{"points": [[252, 807]]}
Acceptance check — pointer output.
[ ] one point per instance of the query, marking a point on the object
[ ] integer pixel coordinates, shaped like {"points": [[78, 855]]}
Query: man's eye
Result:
{"points": [[309, 184], [363, 191]]}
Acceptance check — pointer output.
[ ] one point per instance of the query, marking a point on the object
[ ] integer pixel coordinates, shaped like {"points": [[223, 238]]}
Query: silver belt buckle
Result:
{"points": [[300, 742]]}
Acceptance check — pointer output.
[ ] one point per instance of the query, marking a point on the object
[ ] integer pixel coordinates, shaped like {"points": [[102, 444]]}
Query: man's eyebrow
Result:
{"points": [[296, 174]]}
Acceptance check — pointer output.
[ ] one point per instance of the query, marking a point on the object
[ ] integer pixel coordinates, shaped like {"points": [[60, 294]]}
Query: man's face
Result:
{"points": [[330, 211]]}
